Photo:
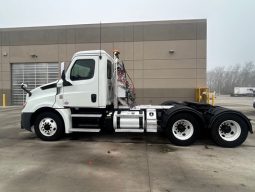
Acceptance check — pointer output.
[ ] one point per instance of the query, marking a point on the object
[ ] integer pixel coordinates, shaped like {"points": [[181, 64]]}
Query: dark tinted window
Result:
{"points": [[109, 69], [83, 69]]}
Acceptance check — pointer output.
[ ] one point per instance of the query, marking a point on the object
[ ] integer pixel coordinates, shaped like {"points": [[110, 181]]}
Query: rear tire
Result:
{"points": [[182, 129], [229, 131], [49, 126]]}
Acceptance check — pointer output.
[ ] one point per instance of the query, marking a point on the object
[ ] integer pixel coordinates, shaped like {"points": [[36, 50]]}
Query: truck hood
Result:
{"points": [[46, 89]]}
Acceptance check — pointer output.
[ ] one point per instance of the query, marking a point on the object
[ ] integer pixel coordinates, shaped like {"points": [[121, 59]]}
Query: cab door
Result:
{"points": [[83, 88]]}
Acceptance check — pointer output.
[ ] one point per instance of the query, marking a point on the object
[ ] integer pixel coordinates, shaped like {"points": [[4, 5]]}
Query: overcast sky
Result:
{"points": [[230, 23]]}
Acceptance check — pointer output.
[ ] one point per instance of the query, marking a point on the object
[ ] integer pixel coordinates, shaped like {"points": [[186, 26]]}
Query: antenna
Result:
{"points": [[100, 41]]}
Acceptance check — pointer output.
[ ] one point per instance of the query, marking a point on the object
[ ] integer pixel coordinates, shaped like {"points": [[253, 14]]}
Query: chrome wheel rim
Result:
{"points": [[48, 127], [183, 129], [229, 130]]}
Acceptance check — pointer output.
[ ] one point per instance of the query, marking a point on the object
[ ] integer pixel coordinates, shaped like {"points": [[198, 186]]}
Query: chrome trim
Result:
{"points": [[84, 130], [130, 130], [86, 115]]}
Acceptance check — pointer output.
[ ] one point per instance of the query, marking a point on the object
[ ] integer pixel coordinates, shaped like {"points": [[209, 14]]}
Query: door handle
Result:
{"points": [[93, 98]]}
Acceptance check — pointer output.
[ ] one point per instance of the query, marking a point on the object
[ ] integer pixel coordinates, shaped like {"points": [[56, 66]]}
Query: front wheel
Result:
{"points": [[229, 131], [182, 129], [49, 126]]}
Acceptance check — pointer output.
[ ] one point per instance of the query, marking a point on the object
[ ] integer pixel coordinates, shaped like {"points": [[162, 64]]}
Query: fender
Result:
{"points": [[65, 113], [220, 111], [38, 103], [181, 108], [28, 119], [28, 112]]}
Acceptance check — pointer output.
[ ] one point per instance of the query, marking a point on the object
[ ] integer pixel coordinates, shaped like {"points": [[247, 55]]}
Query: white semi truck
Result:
{"points": [[244, 91], [95, 94]]}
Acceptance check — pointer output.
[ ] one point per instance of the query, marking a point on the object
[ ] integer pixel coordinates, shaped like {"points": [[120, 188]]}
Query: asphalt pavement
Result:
{"points": [[122, 162]]}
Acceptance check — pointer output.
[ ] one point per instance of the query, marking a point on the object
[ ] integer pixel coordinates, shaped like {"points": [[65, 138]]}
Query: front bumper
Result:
{"points": [[26, 121]]}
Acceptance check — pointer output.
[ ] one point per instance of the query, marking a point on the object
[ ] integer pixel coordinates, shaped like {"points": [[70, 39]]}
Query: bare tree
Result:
{"points": [[224, 79]]}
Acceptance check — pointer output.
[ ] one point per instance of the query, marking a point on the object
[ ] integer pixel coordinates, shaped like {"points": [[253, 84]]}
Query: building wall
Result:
{"points": [[158, 75]]}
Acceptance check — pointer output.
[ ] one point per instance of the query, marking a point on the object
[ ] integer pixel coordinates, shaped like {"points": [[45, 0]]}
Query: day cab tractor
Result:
{"points": [[96, 94]]}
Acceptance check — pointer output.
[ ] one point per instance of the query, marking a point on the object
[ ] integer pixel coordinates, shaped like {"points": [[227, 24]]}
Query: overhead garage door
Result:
{"points": [[34, 75]]}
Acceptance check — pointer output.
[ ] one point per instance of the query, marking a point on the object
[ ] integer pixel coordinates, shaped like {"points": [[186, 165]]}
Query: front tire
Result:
{"points": [[230, 130], [182, 129], [49, 126]]}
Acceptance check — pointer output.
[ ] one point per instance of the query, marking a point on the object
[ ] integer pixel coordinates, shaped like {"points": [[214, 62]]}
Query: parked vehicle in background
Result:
{"points": [[243, 92]]}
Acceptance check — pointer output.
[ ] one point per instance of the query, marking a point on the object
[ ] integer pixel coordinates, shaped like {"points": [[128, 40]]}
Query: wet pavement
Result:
{"points": [[122, 162]]}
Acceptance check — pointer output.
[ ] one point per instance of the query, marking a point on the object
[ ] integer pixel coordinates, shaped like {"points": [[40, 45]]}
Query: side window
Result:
{"points": [[109, 69], [83, 69]]}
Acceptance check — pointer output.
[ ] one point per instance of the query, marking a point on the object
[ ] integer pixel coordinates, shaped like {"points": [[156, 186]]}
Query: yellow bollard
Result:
{"points": [[4, 101], [208, 97], [213, 99]]}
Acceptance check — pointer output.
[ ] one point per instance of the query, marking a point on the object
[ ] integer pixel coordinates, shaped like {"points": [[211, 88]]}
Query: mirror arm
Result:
{"points": [[63, 77], [24, 87]]}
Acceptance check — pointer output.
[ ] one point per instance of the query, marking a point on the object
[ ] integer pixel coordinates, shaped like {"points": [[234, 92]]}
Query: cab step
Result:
{"points": [[84, 130]]}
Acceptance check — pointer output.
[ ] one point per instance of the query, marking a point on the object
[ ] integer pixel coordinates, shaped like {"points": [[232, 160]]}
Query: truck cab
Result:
{"points": [[95, 94], [87, 82]]}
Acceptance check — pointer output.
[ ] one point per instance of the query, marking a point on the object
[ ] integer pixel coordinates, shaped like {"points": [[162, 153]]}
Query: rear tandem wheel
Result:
{"points": [[182, 129], [230, 130]]}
